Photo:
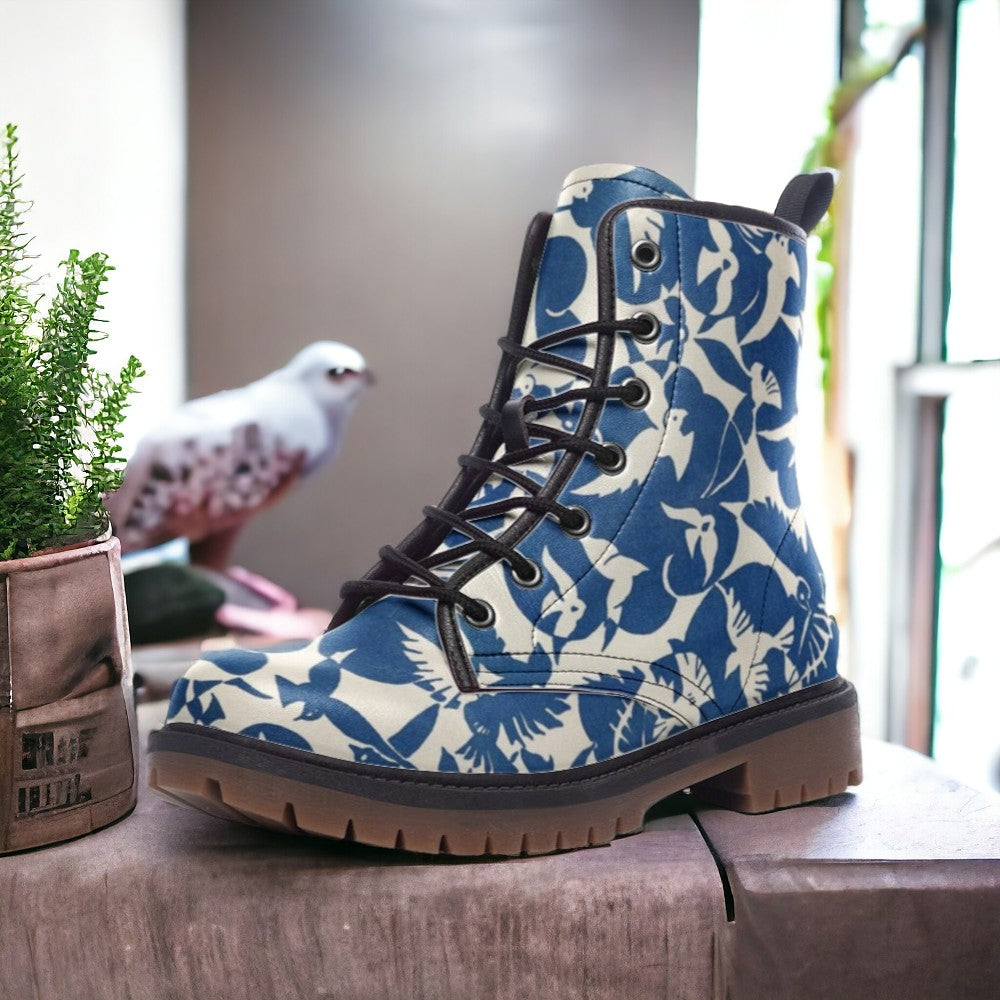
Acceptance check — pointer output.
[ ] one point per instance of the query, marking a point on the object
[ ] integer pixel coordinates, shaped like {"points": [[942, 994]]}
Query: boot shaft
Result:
{"points": [[697, 567]]}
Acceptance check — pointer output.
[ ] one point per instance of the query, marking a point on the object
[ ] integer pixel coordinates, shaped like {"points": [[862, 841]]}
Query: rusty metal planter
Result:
{"points": [[67, 734]]}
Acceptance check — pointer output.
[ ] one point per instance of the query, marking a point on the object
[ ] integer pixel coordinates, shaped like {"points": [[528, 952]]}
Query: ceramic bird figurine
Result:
{"points": [[217, 461]]}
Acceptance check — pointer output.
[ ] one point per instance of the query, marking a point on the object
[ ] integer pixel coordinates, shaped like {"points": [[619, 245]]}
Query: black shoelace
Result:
{"points": [[516, 432]]}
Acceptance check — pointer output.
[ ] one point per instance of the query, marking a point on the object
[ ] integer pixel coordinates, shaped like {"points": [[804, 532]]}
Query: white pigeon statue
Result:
{"points": [[217, 461]]}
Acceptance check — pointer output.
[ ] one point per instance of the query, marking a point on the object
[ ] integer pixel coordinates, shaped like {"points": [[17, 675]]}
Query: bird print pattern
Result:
{"points": [[695, 593]]}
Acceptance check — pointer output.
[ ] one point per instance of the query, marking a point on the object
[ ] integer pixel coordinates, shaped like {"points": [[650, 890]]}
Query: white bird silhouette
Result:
{"points": [[695, 687], [783, 432], [784, 265], [571, 606], [751, 647], [700, 533], [769, 479], [673, 630], [216, 461], [764, 387], [814, 637], [567, 603], [677, 444], [722, 260], [644, 225], [426, 657], [664, 440], [620, 569]]}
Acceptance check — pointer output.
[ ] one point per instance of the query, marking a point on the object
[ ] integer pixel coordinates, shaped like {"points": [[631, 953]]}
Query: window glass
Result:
{"points": [[883, 20], [973, 329], [879, 278], [966, 736]]}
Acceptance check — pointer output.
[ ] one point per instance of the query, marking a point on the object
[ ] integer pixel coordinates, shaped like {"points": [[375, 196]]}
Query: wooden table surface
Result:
{"points": [[892, 890]]}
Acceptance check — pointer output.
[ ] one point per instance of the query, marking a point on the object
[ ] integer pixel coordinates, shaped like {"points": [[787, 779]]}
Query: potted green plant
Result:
{"points": [[67, 735]]}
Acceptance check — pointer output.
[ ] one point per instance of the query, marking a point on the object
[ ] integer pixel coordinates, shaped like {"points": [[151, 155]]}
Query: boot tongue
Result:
{"points": [[566, 287], [612, 183]]}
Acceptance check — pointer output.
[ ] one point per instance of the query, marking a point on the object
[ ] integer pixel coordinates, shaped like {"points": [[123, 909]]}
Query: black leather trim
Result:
{"points": [[806, 199], [728, 213]]}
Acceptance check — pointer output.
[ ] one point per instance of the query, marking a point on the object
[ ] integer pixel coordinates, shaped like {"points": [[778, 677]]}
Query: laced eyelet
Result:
{"points": [[409, 577], [528, 581], [654, 327], [616, 462], [646, 255], [640, 395], [583, 525], [485, 620]]}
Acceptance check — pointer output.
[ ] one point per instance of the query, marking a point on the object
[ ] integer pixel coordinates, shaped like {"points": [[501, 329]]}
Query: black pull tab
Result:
{"points": [[806, 199], [515, 434]]}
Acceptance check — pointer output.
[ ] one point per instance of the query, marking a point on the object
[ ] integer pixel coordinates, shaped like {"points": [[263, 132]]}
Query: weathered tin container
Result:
{"points": [[68, 738]]}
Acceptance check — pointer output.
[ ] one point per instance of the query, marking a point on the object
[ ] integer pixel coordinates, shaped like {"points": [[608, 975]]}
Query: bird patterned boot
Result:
{"points": [[617, 598]]}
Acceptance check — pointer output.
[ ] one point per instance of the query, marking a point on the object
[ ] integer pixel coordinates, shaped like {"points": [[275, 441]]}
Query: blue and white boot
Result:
{"points": [[616, 599]]}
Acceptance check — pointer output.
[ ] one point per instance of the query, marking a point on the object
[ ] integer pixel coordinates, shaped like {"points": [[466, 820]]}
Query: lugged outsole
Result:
{"points": [[795, 754], [217, 799]]}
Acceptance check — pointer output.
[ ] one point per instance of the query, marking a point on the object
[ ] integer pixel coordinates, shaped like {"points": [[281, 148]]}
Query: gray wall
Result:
{"points": [[365, 172]]}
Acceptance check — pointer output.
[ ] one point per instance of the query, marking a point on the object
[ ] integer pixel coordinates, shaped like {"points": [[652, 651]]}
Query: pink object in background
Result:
{"points": [[283, 619]]}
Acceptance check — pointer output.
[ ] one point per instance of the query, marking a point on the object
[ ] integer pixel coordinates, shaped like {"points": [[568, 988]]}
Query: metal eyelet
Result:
{"points": [[646, 255], [642, 393], [489, 616], [616, 464], [654, 328], [528, 581], [583, 527]]}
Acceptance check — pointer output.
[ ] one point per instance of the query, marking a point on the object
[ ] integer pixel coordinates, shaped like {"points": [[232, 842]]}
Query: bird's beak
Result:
{"points": [[691, 536], [369, 377]]}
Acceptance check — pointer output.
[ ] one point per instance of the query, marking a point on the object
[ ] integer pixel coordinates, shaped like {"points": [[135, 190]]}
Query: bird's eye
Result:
{"points": [[336, 373]]}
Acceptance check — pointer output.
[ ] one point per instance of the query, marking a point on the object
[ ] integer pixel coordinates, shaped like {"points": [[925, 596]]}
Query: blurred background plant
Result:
{"points": [[833, 149], [60, 418]]}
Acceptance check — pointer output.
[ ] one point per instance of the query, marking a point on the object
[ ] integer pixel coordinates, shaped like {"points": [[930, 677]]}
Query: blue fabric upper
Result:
{"points": [[696, 592]]}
